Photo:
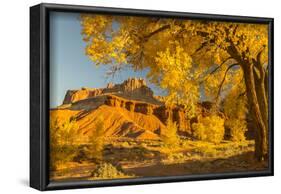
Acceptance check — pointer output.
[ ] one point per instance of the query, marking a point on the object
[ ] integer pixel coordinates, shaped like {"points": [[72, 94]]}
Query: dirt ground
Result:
{"points": [[151, 158]]}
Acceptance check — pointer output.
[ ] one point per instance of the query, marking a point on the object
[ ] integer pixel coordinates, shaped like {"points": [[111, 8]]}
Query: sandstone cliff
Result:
{"points": [[132, 88], [128, 109]]}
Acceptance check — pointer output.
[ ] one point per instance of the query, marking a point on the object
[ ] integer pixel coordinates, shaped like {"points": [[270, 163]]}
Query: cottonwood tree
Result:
{"points": [[188, 58]]}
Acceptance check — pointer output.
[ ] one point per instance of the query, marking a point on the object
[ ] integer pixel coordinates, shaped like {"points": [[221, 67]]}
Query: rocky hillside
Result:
{"points": [[128, 110]]}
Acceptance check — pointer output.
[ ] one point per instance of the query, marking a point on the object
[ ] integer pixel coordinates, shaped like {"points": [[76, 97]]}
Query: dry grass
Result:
{"points": [[127, 158]]}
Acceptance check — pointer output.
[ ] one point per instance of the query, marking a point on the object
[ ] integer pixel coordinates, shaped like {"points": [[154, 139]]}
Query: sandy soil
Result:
{"points": [[148, 159]]}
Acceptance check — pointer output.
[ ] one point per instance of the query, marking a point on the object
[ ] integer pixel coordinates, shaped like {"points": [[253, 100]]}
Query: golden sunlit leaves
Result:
{"points": [[178, 53], [177, 64], [235, 109], [210, 128]]}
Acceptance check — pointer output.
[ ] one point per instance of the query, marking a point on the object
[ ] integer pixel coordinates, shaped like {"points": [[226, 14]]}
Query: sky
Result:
{"points": [[70, 68]]}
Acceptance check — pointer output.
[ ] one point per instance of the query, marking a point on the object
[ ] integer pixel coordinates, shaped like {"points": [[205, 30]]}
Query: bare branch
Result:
{"points": [[113, 71]]}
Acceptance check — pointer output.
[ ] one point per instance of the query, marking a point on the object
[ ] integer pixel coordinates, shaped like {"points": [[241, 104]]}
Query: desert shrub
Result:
{"points": [[175, 158], [62, 148], [207, 150], [125, 144], [96, 141], [210, 128], [107, 171], [61, 155], [170, 137]]}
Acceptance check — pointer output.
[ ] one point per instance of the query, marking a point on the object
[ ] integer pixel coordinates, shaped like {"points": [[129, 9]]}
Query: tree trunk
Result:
{"points": [[262, 98], [257, 100], [257, 95]]}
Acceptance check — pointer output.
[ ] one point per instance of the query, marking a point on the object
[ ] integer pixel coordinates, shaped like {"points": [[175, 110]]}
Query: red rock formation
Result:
{"points": [[135, 96], [77, 95], [132, 88], [163, 113], [179, 117], [132, 83], [144, 108], [133, 106], [130, 106]]}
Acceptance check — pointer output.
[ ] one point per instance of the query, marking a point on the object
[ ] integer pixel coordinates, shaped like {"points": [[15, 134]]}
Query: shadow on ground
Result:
{"points": [[238, 163]]}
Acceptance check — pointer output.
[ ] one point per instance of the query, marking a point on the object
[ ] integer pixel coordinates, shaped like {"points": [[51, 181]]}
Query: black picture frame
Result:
{"points": [[39, 96]]}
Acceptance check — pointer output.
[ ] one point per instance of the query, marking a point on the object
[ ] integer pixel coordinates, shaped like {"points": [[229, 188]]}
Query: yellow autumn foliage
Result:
{"points": [[62, 139], [176, 66], [236, 110], [170, 138], [179, 54], [189, 59], [210, 128]]}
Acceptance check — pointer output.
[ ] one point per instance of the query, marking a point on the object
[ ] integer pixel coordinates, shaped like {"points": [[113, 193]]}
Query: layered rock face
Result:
{"points": [[77, 95], [130, 105], [133, 88], [162, 112], [137, 111]]}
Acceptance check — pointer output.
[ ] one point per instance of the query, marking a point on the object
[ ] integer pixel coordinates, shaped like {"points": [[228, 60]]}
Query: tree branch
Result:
{"points": [[241, 95], [201, 46], [258, 63], [232, 51], [202, 33], [212, 72], [224, 77], [220, 65], [235, 29], [146, 37], [259, 55], [204, 44]]}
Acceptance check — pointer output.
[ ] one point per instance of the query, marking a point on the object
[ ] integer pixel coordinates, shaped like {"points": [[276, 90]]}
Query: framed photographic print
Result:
{"points": [[125, 96]]}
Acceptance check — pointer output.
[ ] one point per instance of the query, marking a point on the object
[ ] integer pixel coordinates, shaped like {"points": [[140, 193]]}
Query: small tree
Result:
{"points": [[171, 136], [54, 128], [210, 128], [237, 129], [62, 137]]}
